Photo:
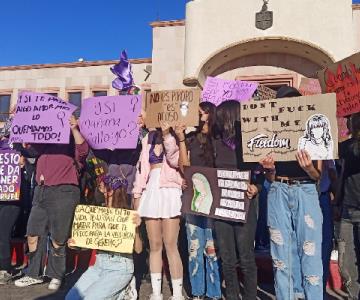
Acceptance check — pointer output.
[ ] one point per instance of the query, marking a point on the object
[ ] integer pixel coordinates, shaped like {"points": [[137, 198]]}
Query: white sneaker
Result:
{"points": [[54, 284], [155, 297], [177, 298], [27, 281]]}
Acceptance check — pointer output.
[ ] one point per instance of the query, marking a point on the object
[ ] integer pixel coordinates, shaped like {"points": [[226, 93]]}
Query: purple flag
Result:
{"points": [[110, 122], [218, 90], [41, 119], [123, 72]]}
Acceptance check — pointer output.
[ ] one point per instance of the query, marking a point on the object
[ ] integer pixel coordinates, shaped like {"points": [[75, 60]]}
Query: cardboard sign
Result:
{"points": [[216, 193], [41, 119], [343, 78], [217, 90], [284, 126], [10, 175], [103, 228], [174, 107], [309, 86], [110, 122], [264, 93]]}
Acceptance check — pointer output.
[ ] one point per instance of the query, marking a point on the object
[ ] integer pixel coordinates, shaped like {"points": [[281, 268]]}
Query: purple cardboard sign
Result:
{"points": [[109, 122], [41, 119], [217, 90], [10, 176]]}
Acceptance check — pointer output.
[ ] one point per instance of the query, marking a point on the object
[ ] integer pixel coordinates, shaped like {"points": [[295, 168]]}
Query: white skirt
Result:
{"points": [[159, 203]]}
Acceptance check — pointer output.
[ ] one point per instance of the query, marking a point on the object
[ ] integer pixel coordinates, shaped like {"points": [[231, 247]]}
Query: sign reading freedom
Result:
{"points": [[217, 90], [216, 193], [10, 177], [41, 119], [109, 122], [284, 126], [103, 228], [343, 78]]}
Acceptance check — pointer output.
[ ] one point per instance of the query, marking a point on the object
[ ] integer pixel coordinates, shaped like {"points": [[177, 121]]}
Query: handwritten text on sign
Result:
{"points": [[110, 122], [216, 193], [173, 107], [343, 78], [10, 177], [103, 228], [218, 90], [41, 119]]}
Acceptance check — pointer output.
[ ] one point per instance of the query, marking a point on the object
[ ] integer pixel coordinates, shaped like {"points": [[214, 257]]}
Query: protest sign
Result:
{"points": [[10, 175], [344, 133], [103, 228], [264, 93], [217, 90], [309, 86], [216, 193], [173, 107], [110, 122], [343, 78], [41, 119], [284, 126]]}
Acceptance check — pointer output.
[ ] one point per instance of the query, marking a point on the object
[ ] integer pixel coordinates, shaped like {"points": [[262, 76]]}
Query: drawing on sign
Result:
{"points": [[317, 140], [184, 108], [202, 199]]}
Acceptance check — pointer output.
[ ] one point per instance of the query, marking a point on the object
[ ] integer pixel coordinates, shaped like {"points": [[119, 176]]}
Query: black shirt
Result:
{"points": [[351, 177], [290, 169], [201, 150]]}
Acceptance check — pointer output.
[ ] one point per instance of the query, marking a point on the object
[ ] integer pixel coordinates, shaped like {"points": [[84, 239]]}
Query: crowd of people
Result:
{"points": [[303, 199]]}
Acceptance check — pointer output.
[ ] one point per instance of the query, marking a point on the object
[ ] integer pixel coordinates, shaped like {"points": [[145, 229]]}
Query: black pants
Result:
{"points": [[234, 237], [349, 254], [52, 213], [8, 217]]}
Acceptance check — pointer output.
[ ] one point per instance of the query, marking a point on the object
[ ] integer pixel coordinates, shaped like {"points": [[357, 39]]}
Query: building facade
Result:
{"points": [[217, 38]]}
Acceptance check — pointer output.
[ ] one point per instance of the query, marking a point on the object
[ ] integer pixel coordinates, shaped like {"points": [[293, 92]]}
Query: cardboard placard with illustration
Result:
{"points": [[172, 106], [343, 78], [281, 127], [309, 86], [264, 93], [216, 193]]}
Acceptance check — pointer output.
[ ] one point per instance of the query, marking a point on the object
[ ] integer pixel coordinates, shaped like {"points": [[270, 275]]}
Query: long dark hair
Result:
{"points": [[355, 132], [120, 199], [210, 109], [227, 120]]}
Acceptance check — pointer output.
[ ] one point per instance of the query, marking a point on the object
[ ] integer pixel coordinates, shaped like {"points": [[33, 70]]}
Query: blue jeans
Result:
{"points": [[107, 279], [200, 243], [295, 225]]}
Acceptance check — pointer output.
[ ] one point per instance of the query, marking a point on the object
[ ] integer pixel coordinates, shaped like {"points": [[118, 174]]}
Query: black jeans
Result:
{"points": [[232, 237], [349, 253], [8, 217], [52, 213]]}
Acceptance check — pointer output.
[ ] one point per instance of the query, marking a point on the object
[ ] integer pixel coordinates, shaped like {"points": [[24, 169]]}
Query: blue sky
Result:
{"points": [[53, 31]]}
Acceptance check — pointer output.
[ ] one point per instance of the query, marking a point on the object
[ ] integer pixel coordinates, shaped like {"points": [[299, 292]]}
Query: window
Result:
{"points": [[75, 98], [52, 94], [4, 107], [100, 93]]}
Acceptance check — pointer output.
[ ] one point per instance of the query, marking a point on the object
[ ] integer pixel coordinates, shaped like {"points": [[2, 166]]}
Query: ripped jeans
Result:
{"points": [[295, 225], [201, 243]]}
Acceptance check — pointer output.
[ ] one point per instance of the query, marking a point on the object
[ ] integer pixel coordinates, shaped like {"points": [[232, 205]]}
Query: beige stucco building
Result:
{"points": [[217, 38]]}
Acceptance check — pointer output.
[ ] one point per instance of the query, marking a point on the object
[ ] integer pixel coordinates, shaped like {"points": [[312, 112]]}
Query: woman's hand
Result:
{"points": [[71, 243], [305, 162], [267, 162], [252, 191], [184, 185], [73, 123], [165, 128], [180, 131], [140, 120], [136, 219]]}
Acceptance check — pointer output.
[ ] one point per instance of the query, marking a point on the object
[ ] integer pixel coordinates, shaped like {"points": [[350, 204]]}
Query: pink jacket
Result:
{"points": [[169, 176]]}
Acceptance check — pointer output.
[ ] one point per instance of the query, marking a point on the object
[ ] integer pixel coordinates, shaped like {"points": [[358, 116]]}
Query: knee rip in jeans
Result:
{"points": [[192, 229], [279, 264], [309, 248], [276, 236], [58, 249], [309, 221], [210, 249], [313, 279], [194, 247]]}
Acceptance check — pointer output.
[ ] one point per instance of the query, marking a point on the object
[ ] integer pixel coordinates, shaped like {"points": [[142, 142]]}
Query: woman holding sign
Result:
{"points": [[295, 222], [158, 186], [109, 278], [233, 237]]}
